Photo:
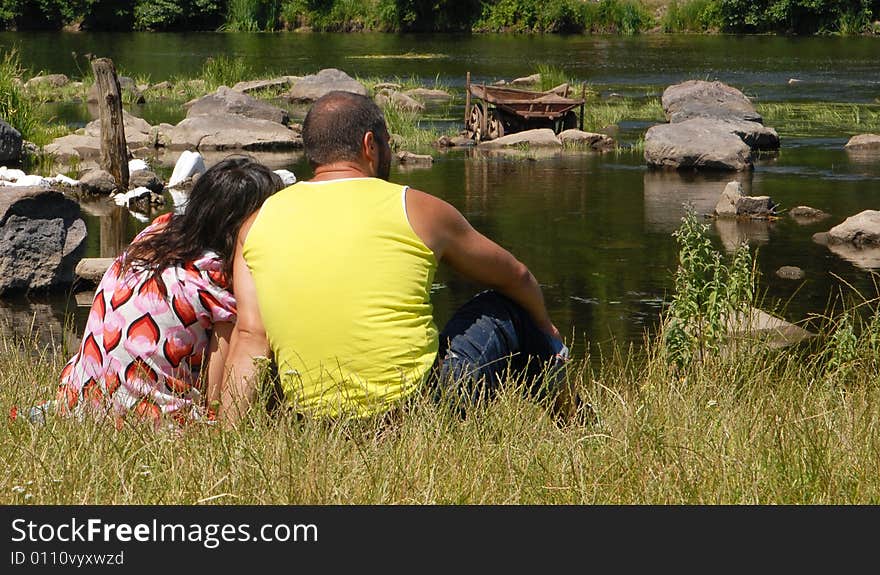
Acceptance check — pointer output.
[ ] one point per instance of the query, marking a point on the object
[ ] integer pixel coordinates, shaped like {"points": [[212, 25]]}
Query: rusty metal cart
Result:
{"points": [[493, 111]]}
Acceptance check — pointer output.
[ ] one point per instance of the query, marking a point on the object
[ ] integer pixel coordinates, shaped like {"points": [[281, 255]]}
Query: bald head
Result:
{"points": [[335, 126]]}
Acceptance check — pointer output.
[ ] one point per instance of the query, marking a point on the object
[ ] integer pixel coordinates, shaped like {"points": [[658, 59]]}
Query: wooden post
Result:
{"points": [[583, 100], [114, 152], [467, 99]]}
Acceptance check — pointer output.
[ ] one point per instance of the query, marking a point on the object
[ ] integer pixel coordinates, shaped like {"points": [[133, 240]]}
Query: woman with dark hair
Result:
{"points": [[165, 305]]}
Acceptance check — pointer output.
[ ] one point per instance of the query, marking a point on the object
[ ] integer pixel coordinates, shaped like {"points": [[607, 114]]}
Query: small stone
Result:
{"points": [[806, 212], [98, 182], [790, 273]]}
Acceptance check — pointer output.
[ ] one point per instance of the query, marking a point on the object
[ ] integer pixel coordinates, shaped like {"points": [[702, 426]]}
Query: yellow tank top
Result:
{"points": [[343, 286]]}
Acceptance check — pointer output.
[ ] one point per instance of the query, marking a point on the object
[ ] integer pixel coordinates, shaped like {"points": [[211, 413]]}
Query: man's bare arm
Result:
{"points": [[248, 341], [454, 241]]}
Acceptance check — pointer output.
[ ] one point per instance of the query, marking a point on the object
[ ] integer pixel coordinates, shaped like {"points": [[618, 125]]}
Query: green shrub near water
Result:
{"points": [[710, 296], [550, 16], [19, 109]]}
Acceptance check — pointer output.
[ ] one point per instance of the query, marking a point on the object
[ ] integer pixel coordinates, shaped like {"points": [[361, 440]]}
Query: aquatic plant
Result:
{"points": [[225, 71], [825, 118], [709, 295]]}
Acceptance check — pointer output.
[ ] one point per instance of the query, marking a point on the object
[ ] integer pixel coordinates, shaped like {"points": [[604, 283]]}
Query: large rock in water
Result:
{"points": [[41, 239], [232, 132], [857, 239], [862, 229], [701, 99], [310, 88], [864, 142], [228, 101], [10, 144], [699, 143]]}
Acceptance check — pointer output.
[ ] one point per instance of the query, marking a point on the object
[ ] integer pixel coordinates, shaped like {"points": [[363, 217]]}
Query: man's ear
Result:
{"points": [[370, 144], [370, 147]]}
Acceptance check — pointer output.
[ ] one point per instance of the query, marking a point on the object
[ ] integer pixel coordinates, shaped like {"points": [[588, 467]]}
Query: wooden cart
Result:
{"points": [[493, 111]]}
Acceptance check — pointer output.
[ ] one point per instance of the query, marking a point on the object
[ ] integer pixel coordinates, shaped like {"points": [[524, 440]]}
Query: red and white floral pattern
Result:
{"points": [[145, 339]]}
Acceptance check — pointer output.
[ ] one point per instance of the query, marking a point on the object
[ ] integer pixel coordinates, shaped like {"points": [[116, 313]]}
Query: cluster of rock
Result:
{"points": [[710, 126], [733, 204], [224, 120]]}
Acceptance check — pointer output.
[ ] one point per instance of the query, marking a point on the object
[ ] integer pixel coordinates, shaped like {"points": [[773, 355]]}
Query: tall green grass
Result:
{"points": [[827, 119], [225, 71], [745, 428], [751, 425], [691, 16], [16, 108], [21, 110]]}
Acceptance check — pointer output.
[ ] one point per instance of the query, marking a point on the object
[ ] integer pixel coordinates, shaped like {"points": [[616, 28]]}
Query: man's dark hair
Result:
{"points": [[334, 127], [220, 201]]}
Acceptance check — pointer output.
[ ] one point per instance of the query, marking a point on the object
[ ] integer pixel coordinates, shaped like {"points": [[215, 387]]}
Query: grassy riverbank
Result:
{"points": [[727, 422], [765, 429]]}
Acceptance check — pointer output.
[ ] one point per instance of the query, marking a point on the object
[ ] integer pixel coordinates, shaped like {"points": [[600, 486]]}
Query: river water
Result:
{"points": [[594, 228]]}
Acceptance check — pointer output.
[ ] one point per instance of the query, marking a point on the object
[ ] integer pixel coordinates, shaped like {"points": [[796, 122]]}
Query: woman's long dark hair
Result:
{"points": [[220, 201]]}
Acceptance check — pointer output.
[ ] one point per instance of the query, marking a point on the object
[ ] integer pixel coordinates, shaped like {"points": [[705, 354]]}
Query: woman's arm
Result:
{"points": [[218, 350]]}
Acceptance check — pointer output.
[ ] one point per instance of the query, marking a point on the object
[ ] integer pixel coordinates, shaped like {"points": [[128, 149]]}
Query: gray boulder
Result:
{"points": [[50, 80], [312, 87], [232, 132], [539, 138], [405, 157], [85, 144], [74, 147], [429, 96], [864, 142], [526, 80], [10, 144], [699, 143], [860, 230], [281, 83], [399, 100], [41, 239], [455, 141], [733, 203], [790, 273], [228, 101], [599, 142], [701, 99], [145, 179], [91, 270], [128, 87], [806, 214], [757, 136], [98, 182], [137, 131]]}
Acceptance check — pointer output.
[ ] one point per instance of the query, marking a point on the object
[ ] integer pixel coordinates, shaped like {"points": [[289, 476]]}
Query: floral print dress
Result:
{"points": [[145, 340]]}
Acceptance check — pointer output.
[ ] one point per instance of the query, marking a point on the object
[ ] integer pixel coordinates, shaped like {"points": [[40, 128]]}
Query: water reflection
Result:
{"points": [[668, 194], [39, 320]]}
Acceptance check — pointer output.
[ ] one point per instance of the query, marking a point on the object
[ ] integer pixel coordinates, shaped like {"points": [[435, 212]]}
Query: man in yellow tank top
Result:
{"points": [[333, 275]]}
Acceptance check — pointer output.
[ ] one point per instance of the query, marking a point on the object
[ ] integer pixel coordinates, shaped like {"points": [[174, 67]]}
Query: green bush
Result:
{"points": [[179, 14], [798, 16], [692, 16], [709, 295]]}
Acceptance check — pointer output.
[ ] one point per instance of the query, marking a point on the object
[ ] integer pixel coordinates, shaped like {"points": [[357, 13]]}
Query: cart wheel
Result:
{"points": [[494, 127], [475, 121], [569, 120]]}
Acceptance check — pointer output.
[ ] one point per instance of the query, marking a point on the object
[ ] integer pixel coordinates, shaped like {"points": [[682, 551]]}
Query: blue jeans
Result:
{"points": [[490, 340]]}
